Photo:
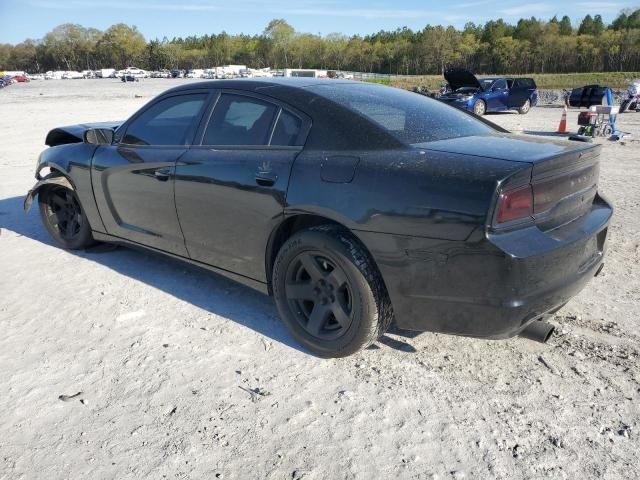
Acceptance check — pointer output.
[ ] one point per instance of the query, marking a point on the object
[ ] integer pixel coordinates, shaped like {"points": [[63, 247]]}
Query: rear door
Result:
{"points": [[231, 189], [133, 179], [523, 89]]}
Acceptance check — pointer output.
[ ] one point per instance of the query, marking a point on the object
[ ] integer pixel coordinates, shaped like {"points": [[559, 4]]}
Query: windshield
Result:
{"points": [[485, 83], [409, 117]]}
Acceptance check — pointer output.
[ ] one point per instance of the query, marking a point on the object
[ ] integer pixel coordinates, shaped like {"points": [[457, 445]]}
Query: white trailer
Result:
{"points": [[233, 69], [196, 73], [106, 73]]}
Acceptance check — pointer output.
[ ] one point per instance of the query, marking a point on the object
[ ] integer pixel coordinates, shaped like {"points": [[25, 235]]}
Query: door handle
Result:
{"points": [[266, 180], [162, 174]]}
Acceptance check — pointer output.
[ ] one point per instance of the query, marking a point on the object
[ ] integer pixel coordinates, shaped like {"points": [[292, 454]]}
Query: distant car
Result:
{"points": [[353, 204], [20, 79], [495, 94]]}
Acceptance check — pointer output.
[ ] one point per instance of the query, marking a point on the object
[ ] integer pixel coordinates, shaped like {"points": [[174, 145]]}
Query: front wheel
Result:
{"points": [[329, 292], [64, 218], [524, 109], [480, 108]]}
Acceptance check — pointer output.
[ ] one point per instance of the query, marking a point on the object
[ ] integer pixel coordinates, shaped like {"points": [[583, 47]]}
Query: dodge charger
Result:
{"points": [[355, 205]]}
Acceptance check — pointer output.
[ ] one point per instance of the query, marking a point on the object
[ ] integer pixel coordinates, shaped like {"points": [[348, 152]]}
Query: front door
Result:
{"points": [[230, 191], [133, 179], [498, 96]]}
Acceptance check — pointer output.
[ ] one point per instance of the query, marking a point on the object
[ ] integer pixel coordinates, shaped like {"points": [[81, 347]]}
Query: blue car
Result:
{"points": [[495, 94]]}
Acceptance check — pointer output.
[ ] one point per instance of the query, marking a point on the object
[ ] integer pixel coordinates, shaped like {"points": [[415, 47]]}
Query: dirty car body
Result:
{"points": [[473, 230], [497, 94]]}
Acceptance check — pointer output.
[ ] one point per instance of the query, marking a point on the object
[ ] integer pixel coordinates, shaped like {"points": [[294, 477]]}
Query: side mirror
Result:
{"points": [[98, 136]]}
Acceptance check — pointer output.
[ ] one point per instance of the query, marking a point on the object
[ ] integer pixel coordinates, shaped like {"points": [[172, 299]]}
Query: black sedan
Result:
{"points": [[355, 205]]}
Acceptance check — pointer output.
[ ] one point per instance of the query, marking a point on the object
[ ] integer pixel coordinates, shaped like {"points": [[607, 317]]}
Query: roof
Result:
{"points": [[255, 84]]}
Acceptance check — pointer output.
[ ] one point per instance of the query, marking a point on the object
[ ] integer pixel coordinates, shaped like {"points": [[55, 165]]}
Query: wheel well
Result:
{"points": [[288, 228]]}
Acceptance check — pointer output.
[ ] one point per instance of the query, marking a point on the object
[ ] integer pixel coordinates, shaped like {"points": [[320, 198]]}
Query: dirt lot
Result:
{"points": [[184, 374]]}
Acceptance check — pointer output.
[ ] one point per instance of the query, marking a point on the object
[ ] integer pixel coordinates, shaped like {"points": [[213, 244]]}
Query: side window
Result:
{"points": [[239, 120], [287, 130], [500, 85], [167, 122]]}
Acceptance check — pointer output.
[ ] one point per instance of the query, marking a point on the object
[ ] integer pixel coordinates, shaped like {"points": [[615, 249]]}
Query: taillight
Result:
{"points": [[515, 204]]}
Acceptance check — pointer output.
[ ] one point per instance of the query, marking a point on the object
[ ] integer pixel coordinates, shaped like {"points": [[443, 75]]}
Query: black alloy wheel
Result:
{"points": [[320, 295], [65, 213], [64, 218], [329, 292]]}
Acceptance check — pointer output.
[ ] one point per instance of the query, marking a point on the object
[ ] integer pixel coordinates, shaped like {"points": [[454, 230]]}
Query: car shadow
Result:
{"points": [[192, 284]]}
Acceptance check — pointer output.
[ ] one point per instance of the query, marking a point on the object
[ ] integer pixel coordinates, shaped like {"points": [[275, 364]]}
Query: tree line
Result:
{"points": [[532, 45]]}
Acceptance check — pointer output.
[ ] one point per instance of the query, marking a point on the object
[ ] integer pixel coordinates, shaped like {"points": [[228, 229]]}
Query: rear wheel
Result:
{"points": [[329, 292], [64, 218], [480, 108], [524, 109]]}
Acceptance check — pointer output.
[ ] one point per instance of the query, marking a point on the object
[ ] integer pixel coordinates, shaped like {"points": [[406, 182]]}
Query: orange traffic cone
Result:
{"points": [[562, 128]]}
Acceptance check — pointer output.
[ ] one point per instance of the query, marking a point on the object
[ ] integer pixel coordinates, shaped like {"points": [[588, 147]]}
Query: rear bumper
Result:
{"points": [[494, 285]]}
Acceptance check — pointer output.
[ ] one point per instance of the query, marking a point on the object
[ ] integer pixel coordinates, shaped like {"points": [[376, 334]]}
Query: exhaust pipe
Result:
{"points": [[539, 331]]}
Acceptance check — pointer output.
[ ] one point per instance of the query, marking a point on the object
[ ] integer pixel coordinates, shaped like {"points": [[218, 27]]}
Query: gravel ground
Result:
{"points": [[120, 364]]}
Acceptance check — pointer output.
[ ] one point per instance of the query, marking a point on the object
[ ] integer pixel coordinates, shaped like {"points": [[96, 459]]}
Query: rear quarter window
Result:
{"points": [[409, 117]]}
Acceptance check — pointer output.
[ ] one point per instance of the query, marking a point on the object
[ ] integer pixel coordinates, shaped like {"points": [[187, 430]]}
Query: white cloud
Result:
{"points": [[529, 9]]}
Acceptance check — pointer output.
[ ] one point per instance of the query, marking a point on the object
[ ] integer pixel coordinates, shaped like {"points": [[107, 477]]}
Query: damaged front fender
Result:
{"points": [[51, 179]]}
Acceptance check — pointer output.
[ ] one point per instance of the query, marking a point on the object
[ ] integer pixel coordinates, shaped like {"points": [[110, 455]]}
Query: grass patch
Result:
{"points": [[616, 80]]}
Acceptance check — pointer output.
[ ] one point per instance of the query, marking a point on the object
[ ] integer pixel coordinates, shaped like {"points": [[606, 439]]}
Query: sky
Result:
{"points": [[21, 19]]}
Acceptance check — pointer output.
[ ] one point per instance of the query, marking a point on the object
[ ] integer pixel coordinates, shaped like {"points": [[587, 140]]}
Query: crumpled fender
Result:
{"points": [[51, 179]]}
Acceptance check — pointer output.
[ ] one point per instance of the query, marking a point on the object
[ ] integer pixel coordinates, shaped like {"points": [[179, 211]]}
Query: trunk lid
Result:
{"points": [[507, 146], [564, 187], [563, 175]]}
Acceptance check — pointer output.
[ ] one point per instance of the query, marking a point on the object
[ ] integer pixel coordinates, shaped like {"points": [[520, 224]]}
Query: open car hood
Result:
{"points": [[459, 77], [73, 133]]}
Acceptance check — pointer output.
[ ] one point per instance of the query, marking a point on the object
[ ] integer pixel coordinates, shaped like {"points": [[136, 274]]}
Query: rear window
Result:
{"points": [[410, 117]]}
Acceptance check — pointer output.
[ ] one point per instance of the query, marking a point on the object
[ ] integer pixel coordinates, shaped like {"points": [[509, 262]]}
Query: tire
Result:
{"points": [[64, 219], [480, 108], [329, 292], [524, 109]]}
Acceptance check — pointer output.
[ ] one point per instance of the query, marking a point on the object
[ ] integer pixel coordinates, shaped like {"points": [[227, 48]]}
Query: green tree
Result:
{"points": [[121, 46], [565, 27], [280, 33]]}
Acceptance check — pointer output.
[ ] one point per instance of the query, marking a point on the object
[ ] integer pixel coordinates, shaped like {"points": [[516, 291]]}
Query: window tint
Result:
{"points": [[410, 117], [167, 122], [287, 129], [239, 120]]}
